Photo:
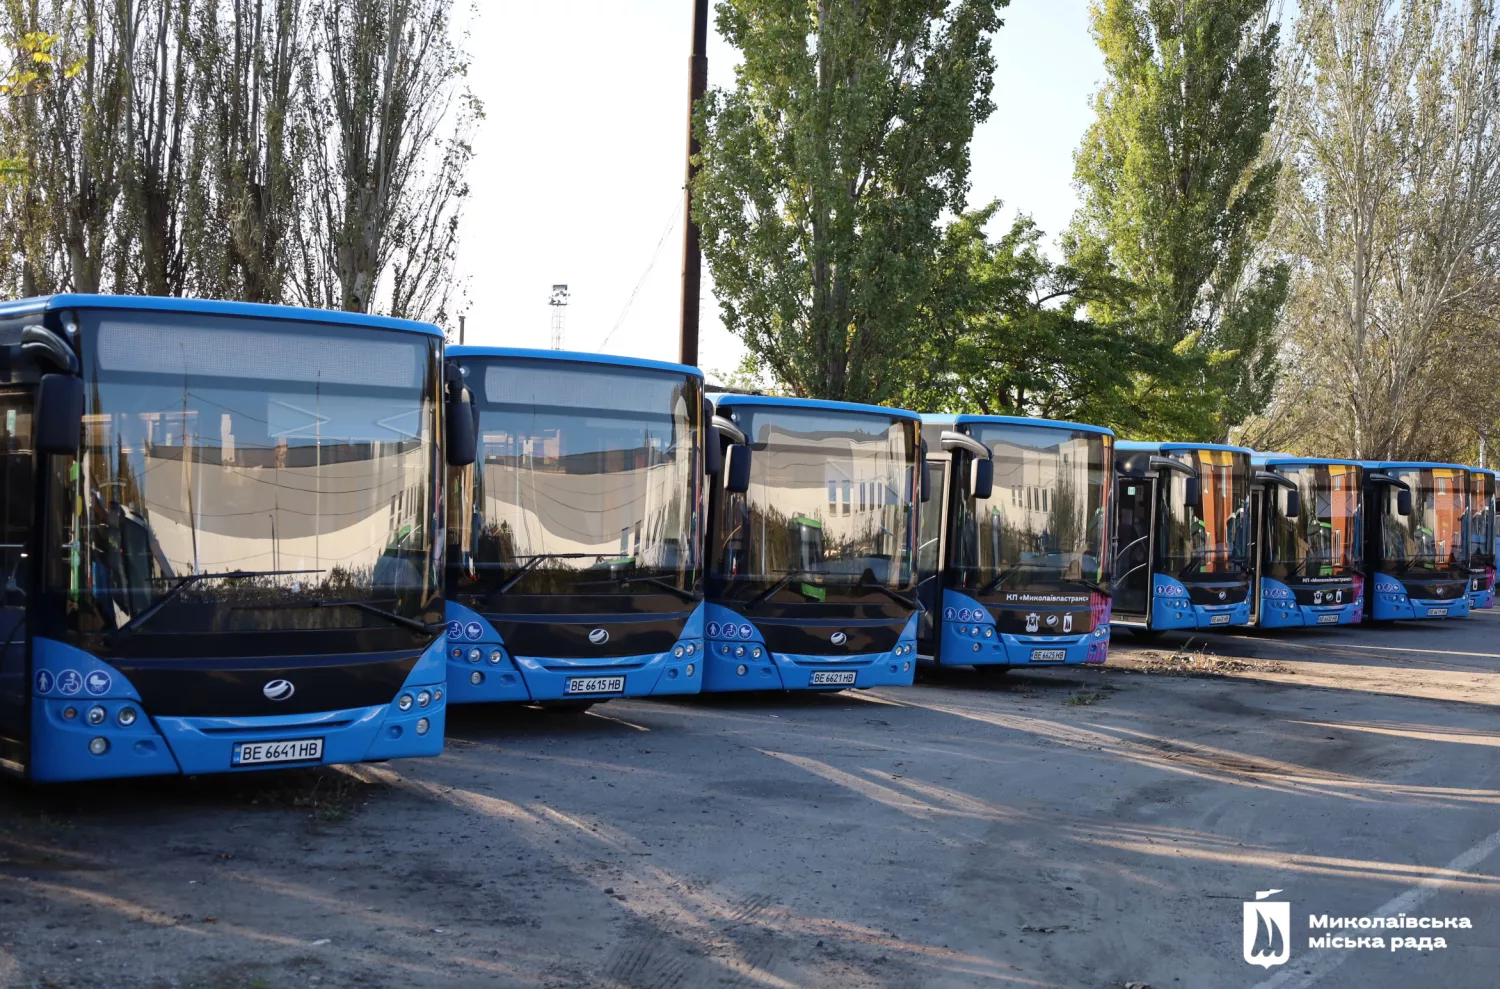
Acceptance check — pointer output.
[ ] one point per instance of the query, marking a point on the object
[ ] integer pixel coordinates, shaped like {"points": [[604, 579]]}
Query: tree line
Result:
{"points": [[311, 152], [1286, 233]]}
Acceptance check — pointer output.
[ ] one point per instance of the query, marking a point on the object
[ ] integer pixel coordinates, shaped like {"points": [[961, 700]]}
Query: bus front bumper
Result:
{"points": [[725, 670]]}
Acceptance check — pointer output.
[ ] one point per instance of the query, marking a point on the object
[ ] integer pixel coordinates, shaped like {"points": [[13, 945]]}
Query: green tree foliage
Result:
{"points": [[826, 170], [1179, 196], [1008, 332]]}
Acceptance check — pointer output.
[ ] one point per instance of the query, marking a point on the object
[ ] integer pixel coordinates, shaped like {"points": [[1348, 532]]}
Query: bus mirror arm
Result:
{"points": [[1167, 463], [1293, 493], [41, 344], [713, 442], [924, 479]]}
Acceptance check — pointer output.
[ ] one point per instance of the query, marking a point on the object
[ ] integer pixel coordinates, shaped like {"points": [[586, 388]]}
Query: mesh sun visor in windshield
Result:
{"points": [[173, 344], [579, 386]]}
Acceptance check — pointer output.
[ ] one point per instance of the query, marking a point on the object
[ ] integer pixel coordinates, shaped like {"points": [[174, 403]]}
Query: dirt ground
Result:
{"points": [[1068, 828]]}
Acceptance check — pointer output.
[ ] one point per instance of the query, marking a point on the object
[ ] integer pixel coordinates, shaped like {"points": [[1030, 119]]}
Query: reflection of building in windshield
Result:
{"points": [[1047, 507], [1434, 532]]}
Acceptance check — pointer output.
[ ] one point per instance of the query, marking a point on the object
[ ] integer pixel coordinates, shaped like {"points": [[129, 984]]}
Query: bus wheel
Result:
{"points": [[1146, 634], [566, 707]]}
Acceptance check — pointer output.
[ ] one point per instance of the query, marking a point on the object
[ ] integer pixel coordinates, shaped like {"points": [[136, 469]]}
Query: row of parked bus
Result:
{"points": [[241, 536]]}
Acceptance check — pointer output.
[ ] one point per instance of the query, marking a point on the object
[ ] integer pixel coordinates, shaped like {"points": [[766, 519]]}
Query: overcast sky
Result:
{"points": [[578, 166]]}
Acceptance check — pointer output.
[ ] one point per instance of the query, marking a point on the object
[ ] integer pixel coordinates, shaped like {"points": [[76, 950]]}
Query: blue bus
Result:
{"points": [[221, 537], [812, 530], [1309, 535], [1482, 537], [1014, 553], [1416, 540], [574, 556], [1182, 536]]}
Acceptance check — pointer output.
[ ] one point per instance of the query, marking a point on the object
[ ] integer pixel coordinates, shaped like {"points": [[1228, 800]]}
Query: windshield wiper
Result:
{"points": [[1005, 575], [366, 607], [537, 560], [912, 602], [182, 585], [790, 576], [624, 580]]}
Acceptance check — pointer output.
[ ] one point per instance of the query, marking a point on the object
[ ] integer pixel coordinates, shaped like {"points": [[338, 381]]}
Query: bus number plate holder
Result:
{"points": [[265, 753], [594, 685], [1049, 655], [1219, 619], [833, 678], [1328, 619], [1437, 612]]}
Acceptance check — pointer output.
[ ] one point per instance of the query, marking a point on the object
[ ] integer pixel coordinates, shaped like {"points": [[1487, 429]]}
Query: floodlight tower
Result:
{"points": [[559, 303]]}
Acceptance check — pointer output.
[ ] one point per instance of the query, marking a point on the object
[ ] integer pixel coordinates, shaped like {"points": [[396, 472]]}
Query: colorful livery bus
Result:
{"points": [[1416, 540], [1182, 536], [812, 531], [573, 571], [1482, 537], [221, 541], [1309, 535], [1014, 552]]}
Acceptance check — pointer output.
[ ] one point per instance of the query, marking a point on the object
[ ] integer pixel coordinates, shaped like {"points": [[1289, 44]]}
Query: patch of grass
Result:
{"points": [[1083, 700]]}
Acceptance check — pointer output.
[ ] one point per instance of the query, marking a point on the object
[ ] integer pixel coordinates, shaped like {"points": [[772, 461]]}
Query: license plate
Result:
{"points": [[261, 753], [595, 685], [1437, 612], [833, 678], [1328, 619], [1049, 655], [1219, 619]]}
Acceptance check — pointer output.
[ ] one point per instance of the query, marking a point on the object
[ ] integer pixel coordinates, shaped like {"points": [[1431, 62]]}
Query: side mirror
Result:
{"points": [[713, 442], [460, 426], [924, 481], [59, 413], [1193, 493], [982, 479], [737, 468], [1293, 503], [1403, 502]]}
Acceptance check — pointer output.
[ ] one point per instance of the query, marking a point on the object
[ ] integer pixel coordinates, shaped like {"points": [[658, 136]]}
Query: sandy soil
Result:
{"points": [[1069, 828]]}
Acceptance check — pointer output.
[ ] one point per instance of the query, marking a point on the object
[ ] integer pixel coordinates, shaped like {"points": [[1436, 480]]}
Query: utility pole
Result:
{"points": [[692, 255], [460, 329]]}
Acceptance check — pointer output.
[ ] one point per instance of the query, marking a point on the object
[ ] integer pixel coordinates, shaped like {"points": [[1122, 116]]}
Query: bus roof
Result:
{"points": [[1136, 446], [943, 419], [575, 356], [733, 398], [211, 307], [1410, 465], [1483, 470], [1292, 460]]}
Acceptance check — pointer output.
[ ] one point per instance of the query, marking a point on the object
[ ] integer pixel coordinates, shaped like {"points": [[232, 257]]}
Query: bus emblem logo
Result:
{"points": [[1033, 622], [278, 690], [1068, 622], [1222, 595], [599, 636], [838, 638]]}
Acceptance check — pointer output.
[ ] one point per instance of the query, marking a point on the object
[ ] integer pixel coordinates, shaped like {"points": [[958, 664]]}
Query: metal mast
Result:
{"points": [[559, 303]]}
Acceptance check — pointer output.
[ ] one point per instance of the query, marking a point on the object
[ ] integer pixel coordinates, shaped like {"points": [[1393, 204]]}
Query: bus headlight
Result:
{"points": [[678, 651], [475, 655], [404, 702], [989, 633], [98, 746], [692, 668], [97, 715], [755, 653], [739, 650], [424, 698], [741, 670], [496, 656], [692, 647], [126, 717], [422, 726], [476, 678]]}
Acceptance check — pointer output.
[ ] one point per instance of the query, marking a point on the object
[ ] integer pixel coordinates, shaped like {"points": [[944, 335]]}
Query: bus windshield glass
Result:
{"points": [[246, 475], [1434, 536], [829, 506], [585, 484], [1324, 539], [1046, 520], [1210, 539], [1481, 519]]}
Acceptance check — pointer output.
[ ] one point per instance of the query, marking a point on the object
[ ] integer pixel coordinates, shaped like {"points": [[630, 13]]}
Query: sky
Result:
{"points": [[578, 165]]}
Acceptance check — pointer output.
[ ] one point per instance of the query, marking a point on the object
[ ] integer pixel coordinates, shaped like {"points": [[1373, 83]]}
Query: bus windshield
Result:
{"points": [[1210, 539], [1324, 539], [1046, 520], [1482, 519], [246, 475], [830, 502], [1433, 536], [585, 484]]}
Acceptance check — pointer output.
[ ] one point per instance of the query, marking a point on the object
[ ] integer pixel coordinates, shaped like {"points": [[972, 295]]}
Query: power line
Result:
{"points": [[677, 202]]}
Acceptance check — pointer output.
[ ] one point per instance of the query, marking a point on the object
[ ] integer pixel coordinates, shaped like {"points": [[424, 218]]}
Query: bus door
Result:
{"points": [[1135, 515], [1258, 538], [16, 504], [931, 553]]}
